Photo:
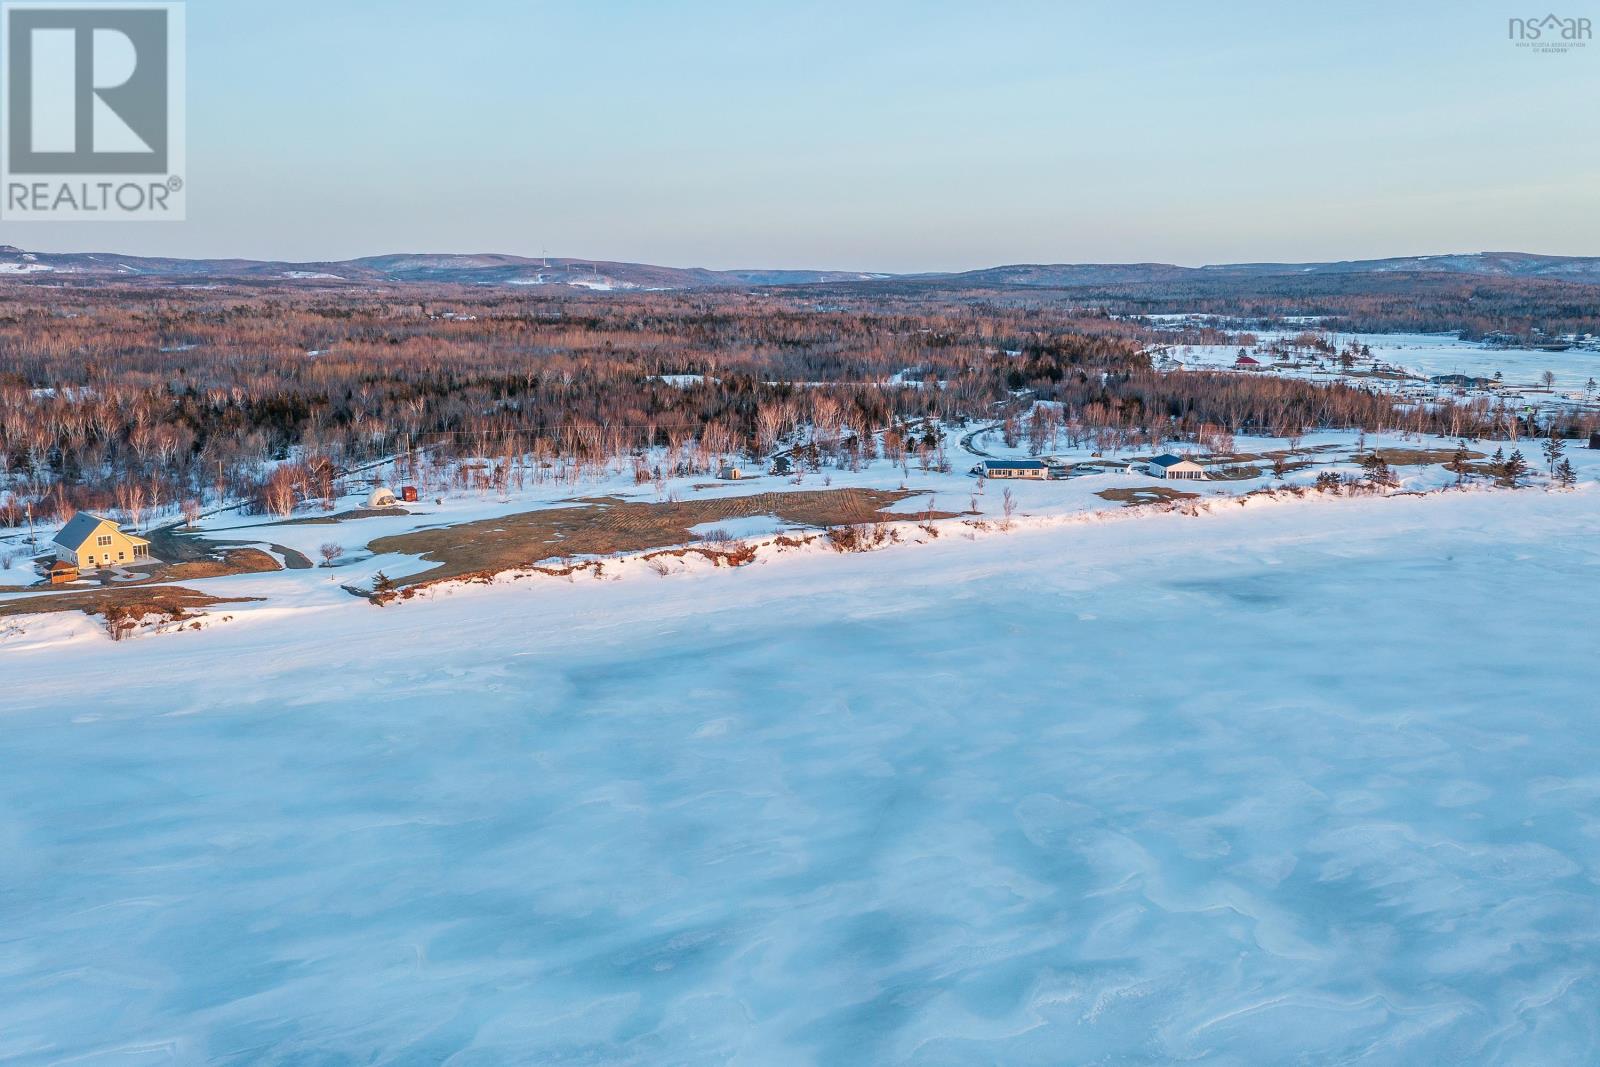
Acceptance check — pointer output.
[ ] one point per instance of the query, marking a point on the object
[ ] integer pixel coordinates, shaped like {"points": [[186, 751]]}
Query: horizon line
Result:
{"points": [[9, 248]]}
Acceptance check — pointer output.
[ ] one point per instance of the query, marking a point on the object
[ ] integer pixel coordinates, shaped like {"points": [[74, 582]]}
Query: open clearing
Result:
{"points": [[608, 525]]}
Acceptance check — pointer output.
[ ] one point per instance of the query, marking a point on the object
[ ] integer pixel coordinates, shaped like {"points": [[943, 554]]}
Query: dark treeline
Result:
{"points": [[142, 400], [1528, 310], [138, 399]]}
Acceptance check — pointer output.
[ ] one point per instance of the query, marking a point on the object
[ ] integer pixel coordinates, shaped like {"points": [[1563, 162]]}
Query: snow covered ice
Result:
{"points": [[1304, 783]]}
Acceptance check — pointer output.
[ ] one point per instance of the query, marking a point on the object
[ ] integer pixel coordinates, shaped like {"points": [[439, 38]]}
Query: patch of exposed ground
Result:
{"points": [[188, 556], [232, 561], [1416, 457], [171, 545], [1229, 458], [160, 599], [1144, 494], [342, 516], [606, 526], [1239, 473]]}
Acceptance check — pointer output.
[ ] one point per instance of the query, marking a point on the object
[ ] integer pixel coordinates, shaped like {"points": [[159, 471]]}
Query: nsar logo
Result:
{"points": [[1552, 33], [94, 111]]}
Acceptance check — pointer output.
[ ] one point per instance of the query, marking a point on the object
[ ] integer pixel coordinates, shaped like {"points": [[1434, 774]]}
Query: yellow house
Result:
{"points": [[90, 542]]}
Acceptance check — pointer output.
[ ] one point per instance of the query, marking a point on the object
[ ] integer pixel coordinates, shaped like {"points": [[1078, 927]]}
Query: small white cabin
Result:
{"points": [[1014, 468]]}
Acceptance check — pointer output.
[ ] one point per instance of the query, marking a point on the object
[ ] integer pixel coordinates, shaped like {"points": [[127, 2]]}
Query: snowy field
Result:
{"points": [[1431, 354], [1426, 355], [1305, 782]]}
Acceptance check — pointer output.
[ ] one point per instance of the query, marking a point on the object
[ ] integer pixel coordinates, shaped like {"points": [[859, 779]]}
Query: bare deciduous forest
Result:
{"points": [[1521, 309], [149, 400]]}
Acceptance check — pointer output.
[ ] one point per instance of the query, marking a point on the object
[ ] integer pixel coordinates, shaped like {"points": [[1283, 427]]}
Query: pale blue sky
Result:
{"points": [[873, 134]]}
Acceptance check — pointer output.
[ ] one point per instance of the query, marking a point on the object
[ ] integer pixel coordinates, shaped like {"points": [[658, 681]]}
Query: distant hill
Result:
{"points": [[599, 275], [1481, 264]]}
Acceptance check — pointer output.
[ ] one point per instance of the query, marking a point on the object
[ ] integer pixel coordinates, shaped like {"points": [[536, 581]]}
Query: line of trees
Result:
{"points": [[150, 401]]}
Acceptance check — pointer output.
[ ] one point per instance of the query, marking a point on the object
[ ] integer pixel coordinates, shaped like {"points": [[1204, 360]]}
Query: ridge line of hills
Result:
{"points": [[497, 269]]}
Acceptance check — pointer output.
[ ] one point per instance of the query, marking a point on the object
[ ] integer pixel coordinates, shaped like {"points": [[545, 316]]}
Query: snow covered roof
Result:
{"points": [[78, 530]]}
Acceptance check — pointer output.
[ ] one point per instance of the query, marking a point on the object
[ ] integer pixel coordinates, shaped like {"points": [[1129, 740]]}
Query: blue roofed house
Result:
{"points": [[1014, 468], [1170, 466]]}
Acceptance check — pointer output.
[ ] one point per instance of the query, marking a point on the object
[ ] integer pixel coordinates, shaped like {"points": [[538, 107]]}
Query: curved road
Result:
{"points": [[966, 440]]}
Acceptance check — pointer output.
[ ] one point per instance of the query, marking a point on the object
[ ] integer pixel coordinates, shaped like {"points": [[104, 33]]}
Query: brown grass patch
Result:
{"points": [[1233, 473], [159, 599], [1415, 457], [233, 561], [1303, 450], [329, 520], [189, 556], [608, 526], [1145, 494]]}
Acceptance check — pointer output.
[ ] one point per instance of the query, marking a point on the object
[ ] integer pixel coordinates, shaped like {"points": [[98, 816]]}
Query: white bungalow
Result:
{"points": [[1014, 468], [1170, 466]]}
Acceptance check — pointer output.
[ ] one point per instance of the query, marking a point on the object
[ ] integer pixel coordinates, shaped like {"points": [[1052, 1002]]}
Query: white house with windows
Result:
{"points": [[1013, 468], [90, 542], [1170, 466]]}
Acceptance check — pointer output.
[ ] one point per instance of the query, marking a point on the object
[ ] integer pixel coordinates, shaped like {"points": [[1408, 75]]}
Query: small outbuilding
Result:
{"points": [[731, 473], [62, 572], [408, 493], [1170, 466], [1247, 362], [1015, 468], [90, 542], [381, 497], [1594, 440]]}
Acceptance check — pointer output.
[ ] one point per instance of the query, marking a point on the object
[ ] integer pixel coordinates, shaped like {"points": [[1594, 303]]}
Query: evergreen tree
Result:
{"points": [[1378, 472], [1512, 469], [1554, 449], [1566, 477], [1458, 462]]}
